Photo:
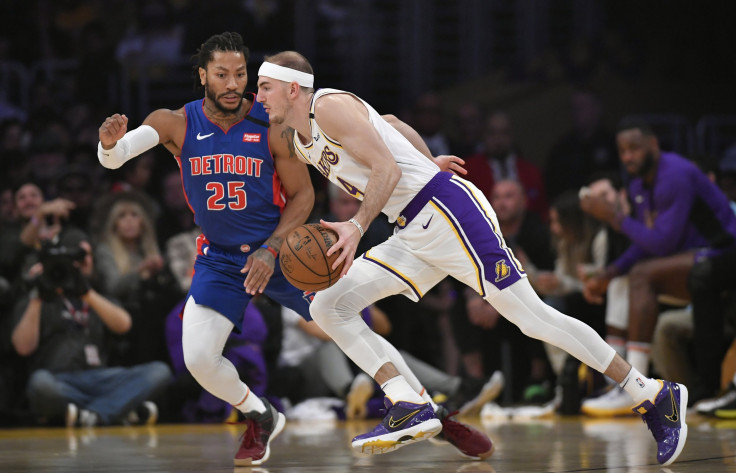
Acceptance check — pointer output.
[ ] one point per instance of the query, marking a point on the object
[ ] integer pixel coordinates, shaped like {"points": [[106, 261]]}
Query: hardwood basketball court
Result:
{"points": [[557, 444]]}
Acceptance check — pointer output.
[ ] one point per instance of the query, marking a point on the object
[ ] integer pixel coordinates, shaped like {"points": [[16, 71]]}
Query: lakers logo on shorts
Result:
{"points": [[401, 221], [502, 270]]}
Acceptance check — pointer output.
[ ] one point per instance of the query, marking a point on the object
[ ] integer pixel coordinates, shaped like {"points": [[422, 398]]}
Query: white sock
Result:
{"points": [[397, 389], [250, 403], [638, 354], [639, 387]]}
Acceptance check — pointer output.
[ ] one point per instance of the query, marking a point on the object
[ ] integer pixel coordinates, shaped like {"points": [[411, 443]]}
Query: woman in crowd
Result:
{"points": [[132, 271]]}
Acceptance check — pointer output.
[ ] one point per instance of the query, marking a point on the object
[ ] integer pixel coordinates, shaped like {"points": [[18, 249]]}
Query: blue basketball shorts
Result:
{"points": [[218, 284]]}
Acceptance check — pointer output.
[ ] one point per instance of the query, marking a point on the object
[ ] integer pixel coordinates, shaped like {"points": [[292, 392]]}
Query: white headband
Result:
{"points": [[286, 74]]}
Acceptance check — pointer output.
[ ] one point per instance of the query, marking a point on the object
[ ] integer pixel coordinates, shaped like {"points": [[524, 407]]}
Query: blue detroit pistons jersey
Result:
{"points": [[229, 178]]}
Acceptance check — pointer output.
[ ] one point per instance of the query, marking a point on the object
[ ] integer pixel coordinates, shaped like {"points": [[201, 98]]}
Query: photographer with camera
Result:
{"points": [[33, 220], [43, 219], [61, 326]]}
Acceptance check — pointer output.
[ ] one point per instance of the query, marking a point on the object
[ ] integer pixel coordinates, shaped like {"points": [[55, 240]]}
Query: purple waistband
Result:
{"points": [[421, 199]]}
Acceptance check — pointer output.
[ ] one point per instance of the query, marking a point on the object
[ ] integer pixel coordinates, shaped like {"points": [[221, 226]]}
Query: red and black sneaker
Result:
{"points": [[470, 442], [260, 430]]}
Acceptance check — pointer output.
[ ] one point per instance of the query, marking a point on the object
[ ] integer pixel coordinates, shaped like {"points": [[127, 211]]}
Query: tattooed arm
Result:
{"points": [[299, 194]]}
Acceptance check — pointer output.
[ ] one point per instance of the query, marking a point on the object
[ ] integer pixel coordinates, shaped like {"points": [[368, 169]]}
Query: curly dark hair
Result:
{"points": [[223, 42]]}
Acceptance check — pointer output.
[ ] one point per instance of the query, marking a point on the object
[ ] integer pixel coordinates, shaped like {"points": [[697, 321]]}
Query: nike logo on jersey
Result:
{"points": [[201, 137], [395, 423], [424, 226], [316, 138]]}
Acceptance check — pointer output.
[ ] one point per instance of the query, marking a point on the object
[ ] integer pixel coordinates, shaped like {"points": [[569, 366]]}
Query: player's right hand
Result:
{"points": [[348, 237], [259, 266], [112, 129], [598, 207]]}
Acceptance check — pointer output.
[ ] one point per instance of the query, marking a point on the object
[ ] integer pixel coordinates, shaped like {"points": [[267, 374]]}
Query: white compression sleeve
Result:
{"points": [[129, 146], [204, 333], [523, 307]]}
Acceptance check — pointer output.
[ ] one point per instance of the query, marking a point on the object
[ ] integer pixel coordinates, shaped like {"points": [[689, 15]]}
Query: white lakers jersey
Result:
{"points": [[330, 159]]}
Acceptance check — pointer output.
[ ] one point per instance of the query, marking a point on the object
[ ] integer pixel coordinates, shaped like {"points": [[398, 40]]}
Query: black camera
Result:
{"points": [[60, 272]]}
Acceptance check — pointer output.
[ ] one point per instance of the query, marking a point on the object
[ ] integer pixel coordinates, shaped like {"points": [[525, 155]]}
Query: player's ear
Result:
{"points": [[202, 75]]}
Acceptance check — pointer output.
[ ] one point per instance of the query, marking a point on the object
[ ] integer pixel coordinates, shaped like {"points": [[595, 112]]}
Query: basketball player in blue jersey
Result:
{"points": [[247, 190], [445, 225]]}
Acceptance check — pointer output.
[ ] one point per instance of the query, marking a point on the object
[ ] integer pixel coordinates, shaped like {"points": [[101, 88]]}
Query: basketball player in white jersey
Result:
{"points": [[445, 226]]}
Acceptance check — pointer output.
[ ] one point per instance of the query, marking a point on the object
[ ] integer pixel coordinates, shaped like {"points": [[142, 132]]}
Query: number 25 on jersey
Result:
{"points": [[236, 198]]}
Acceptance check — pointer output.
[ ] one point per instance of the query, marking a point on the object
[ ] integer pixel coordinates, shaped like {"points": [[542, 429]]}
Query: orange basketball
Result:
{"points": [[303, 257]]}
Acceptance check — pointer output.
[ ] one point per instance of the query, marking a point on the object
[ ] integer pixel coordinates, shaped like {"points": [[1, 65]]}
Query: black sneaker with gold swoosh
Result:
{"points": [[666, 419], [405, 423]]}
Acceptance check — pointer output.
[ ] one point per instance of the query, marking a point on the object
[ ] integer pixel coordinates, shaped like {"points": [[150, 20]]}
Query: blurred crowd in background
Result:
{"points": [[75, 59]]}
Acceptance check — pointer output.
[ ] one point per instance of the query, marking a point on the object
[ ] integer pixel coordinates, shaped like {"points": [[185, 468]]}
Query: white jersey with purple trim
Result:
{"points": [[337, 165]]}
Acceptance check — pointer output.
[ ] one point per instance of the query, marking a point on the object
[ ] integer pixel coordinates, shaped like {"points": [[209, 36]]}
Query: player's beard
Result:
{"points": [[215, 100], [646, 165]]}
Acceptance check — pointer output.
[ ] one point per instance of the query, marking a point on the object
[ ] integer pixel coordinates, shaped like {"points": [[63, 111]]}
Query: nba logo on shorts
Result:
{"points": [[502, 270]]}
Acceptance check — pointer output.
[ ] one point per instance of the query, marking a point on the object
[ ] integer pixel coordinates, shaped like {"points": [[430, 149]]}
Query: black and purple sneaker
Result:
{"points": [[666, 419], [405, 423]]}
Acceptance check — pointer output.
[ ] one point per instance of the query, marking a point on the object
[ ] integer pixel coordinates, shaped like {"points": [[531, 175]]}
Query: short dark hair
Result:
{"points": [[634, 123], [228, 41], [30, 181]]}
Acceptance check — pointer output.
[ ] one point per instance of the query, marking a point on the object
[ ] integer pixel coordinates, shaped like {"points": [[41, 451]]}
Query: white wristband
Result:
{"points": [[357, 224], [111, 158], [129, 146]]}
